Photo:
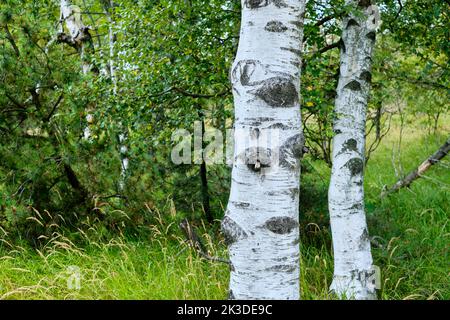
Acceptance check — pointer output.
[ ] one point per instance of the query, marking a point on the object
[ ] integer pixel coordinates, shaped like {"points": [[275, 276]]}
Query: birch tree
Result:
{"points": [[109, 8], [353, 269], [261, 220]]}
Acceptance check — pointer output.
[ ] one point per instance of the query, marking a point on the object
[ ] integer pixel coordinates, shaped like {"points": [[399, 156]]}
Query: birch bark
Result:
{"points": [[79, 38], [353, 272], [261, 220]]}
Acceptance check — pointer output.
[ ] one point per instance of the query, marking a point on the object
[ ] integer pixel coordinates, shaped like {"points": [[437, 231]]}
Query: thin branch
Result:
{"points": [[11, 40]]}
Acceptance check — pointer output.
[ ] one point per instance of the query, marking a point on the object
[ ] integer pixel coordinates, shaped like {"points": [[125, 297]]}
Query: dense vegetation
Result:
{"points": [[62, 199]]}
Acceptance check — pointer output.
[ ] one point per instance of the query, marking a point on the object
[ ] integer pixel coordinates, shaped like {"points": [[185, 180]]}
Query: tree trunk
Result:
{"points": [[353, 270], [415, 174], [261, 220], [79, 38]]}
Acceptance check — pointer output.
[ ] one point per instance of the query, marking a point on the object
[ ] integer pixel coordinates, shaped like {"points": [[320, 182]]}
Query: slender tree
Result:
{"points": [[261, 220], [353, 271]]}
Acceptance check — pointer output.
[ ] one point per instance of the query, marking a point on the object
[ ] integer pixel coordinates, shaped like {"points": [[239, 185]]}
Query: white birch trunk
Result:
{"points": [[353, 272], [79, 38], [261, 221], [122, 137], [71, 15]]}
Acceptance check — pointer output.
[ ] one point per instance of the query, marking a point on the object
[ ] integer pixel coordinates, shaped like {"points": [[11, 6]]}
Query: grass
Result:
{"points": [[410, 229]]}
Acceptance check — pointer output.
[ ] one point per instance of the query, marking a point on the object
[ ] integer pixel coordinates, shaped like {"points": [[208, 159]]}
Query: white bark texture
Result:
{"points": [[261, 221], [353, 273], [78, 32], [79, 38]]}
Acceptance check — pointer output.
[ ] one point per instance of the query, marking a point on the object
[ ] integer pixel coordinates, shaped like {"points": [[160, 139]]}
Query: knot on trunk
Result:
{"points": [[281, 225], [232, 231], [292, 150], [278, 92]]}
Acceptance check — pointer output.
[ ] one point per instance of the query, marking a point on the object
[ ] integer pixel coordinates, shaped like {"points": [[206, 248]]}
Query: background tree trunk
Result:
{"points": [[261, 221], [352, 257]]}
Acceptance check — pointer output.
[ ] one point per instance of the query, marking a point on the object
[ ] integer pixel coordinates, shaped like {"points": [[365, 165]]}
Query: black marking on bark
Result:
{"points": [[244, 71], [353, 85], [356, 206], [278, 126], [256, 122], [372, 35], [282, 268], [364, 239], [337, 131], [275, 26], [355, 165], [292, 148], [366, 76], [278, 92], [231, 295], [351, 23], [350, 145], [359, 183], [281, 225], [294, 192], [279, 3], [364, 3], [295, 63], [295, 51], [255, 133], [232, 267], [365, 235], [342, 46], [255, 4], [257, 158], [241, 205], [232, 231], [298, 23]]}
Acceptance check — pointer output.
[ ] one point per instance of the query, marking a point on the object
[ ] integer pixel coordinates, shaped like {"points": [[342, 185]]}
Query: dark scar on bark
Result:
{"points": [[356, 206], [257, 158], [281, 225], [241, 205], [232, 267], [366, 76], [352, 22], [254, 4], [364, 238], [298, 24], [297, 52], [350, 145], [282, 268], [372, 35], [292, 147], [353, 85], [278, 92], [246, 69], [293, 192], [279, 3], [255, 133], [337, 131], [278, 126], [232, 231], [275, 26], [231, 295], [355, 165]]}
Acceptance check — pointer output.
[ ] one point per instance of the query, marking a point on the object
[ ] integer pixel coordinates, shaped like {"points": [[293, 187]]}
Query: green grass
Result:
{"points": [[410, 228]]}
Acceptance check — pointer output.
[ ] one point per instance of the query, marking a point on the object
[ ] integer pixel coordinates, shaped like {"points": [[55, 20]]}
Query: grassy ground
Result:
{"points": [[411, 244]]}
